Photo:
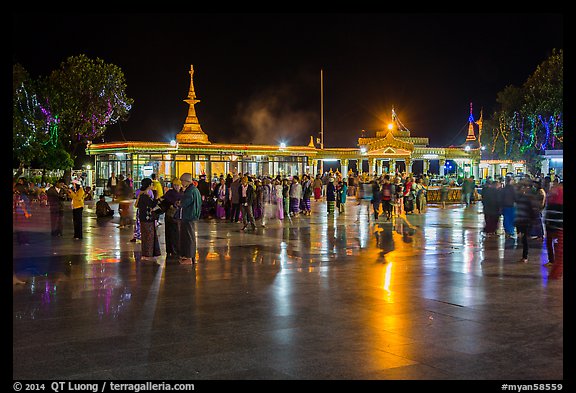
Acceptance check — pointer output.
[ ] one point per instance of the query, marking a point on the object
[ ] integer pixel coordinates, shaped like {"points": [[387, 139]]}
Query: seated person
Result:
{"points": [[103, 209]]}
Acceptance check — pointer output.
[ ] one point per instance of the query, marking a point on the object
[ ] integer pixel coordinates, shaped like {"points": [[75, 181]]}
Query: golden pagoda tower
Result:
{"points": [[191, 131], [471, 137]]}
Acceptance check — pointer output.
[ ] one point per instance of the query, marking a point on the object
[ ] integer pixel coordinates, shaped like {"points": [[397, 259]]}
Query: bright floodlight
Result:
{"points": [[88, 167], [467, 148], [172, 143], [362, 150], [282, 145], [390, 126], [483, 148]]}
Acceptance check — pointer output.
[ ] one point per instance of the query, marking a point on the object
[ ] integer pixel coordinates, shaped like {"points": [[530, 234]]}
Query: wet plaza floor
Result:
{"points": [[425, 297]]}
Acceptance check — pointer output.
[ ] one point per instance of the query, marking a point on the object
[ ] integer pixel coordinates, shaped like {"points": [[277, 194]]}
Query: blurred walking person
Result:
{"points": [[267, 201], [537, 231], [22, 214], [56, 196], [508, 201], [554, 220], [525, 215], [317, 186], [387, 193], [278, 200], [124, 194], [444, 188], [376, 198], [491, 207]]}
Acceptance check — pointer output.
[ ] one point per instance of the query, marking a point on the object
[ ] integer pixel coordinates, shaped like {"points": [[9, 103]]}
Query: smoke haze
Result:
{"points": [[273, 115]]}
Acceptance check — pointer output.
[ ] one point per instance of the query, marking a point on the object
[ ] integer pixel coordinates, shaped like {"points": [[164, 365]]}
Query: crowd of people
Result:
{"points": [[247, 198], [531, 208]]}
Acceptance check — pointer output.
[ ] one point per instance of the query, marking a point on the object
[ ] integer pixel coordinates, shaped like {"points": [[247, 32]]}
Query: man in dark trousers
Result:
{"points": [[508, 204], [235, 199], [205, 192], [111, 184], [56, 196], [247, 197], [191, 203]]}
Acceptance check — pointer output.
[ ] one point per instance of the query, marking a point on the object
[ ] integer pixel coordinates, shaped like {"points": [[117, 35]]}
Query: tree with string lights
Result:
{"points": [[529, 119], [53, 117], [88, 96], [34, 129]]}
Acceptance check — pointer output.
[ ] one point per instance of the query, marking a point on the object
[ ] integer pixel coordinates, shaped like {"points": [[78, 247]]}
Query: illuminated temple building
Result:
{"points": [[386, 151]]}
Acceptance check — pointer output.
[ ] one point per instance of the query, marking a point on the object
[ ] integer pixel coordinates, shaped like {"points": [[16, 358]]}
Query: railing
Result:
{"points": [[434, 194], [29, 172]]}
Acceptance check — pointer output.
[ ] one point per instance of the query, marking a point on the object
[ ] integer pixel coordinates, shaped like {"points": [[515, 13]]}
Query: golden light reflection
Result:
{"points": [[388, 277], [213, 255], [100, 255], [110, 260]]}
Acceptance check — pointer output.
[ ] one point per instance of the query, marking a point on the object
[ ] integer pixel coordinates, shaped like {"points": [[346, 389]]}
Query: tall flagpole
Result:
{"points": [[321, 118]]}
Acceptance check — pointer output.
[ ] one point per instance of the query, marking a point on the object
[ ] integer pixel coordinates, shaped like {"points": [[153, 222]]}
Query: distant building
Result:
{"points": [[553, 162], [387, 150]]}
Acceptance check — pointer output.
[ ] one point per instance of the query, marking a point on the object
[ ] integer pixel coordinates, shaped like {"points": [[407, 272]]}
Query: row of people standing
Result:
{"points": [[249, 198], [394, 196]]}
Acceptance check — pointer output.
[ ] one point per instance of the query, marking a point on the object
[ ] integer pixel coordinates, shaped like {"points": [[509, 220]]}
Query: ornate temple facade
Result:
{"points": [[387, 151]]}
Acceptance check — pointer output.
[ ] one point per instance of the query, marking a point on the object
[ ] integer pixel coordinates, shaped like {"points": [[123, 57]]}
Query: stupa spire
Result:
{"points": [[471, 135], [192, 131]]}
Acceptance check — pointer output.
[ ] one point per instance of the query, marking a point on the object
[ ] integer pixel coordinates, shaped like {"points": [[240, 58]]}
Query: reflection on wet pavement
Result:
{"points": [[326, 297]]}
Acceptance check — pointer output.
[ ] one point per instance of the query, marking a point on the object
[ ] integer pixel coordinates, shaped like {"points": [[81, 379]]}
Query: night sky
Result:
{"points": [[258, 75]]}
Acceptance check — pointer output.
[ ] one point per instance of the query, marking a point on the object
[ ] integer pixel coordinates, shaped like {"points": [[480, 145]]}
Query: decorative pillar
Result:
{"points": [[379, 167], [392, 167], [314, 168], [344, 167], [545, 166], [408, 165], [475, 168], [441, 164], [371, 166], [426, 166]]}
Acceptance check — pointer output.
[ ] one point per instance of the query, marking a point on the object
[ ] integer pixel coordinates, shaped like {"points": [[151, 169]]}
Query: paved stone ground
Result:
{"points": [[426, 297]]}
